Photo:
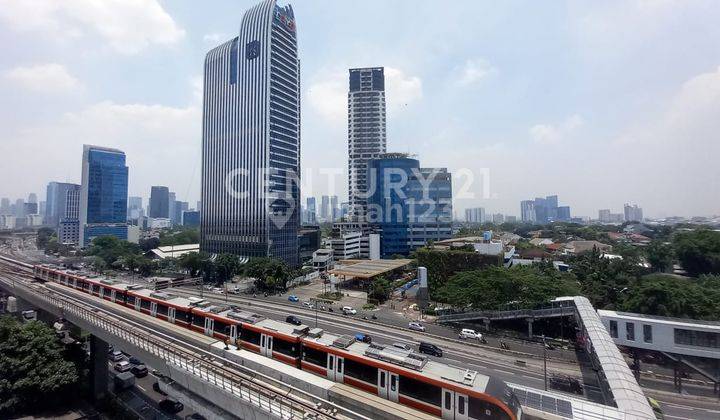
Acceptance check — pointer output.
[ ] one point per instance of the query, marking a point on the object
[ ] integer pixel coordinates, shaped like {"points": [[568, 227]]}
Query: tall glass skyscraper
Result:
{"points": [[366, 132], [103, 194], [159, 202], [251, 139]]}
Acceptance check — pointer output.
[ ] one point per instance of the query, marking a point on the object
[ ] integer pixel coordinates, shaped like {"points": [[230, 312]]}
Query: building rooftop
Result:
{"points": [[366, 269], [174, 251]]}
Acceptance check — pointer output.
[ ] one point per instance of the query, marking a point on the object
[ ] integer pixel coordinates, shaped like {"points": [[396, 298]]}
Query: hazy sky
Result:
{"points": [[600, 103]]}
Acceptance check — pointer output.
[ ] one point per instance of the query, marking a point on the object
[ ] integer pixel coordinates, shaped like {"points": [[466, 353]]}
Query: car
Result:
{"points": [[348, 310], [429, 348], [293, 298], [308, 304], [566, 383], [139, 370], [116, 356], [292, 319], [416, 326], [156, 388], [468, 333], [218, 290], [171, 406], [402, 346], [134, 360], [122, 366], [363, 337]]}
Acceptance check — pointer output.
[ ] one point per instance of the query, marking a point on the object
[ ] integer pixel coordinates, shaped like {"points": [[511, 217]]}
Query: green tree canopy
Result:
{"points": [[110, 249], [269, 273], [34, 376], [192, 262], [226, 266], [495, 287], [43, 237], [659, 255], [698, 251], [668, 295]]}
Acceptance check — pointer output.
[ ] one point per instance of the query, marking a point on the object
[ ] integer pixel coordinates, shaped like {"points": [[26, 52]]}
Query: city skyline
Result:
{"points": [[456, 103]]}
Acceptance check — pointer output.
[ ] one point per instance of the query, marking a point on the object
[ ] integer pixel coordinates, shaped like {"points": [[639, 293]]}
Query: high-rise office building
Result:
{"points": [[103, 194], [135, 208], [171, 207], [527, 211], [30, 208], [563, 214], [56, 197], [311, 210], [19, 207], [498, 218], [5, 205], [334, 208], [325, 208], [366, 132], [32, 198], [68, 228], [410, 214], [475, 215], [251, 139], [159, 202]]}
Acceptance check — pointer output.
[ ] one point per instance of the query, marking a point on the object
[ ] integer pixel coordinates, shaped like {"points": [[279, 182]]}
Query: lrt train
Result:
{"points": [[398, 375]]}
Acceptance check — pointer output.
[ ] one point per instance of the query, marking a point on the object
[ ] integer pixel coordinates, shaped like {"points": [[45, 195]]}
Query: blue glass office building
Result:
{"points": [[103, 194], [251, 139], [411, 205]]}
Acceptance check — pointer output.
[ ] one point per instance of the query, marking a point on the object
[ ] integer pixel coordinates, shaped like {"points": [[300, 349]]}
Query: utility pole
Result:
{"points": [[544, 361], [316, 313]]}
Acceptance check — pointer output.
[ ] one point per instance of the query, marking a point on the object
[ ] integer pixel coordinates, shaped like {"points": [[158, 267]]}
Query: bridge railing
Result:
{"points": [[513, 314], [276, 403]]}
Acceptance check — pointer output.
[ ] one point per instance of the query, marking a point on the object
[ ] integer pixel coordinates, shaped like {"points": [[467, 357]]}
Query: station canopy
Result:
{"points": [[367, 269]]}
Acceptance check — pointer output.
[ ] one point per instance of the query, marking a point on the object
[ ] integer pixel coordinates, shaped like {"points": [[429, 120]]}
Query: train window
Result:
{"points": [[448, 400], [287, 348], [250, 336], [360, 371], [340, 365], [481, 409], [181, 315], [382, 379], [222, 327], [315, 357], [393, 383], [198, 320], [162, 309], [130, 300], [145, 304], [95, 288], [422, 391], [461, 404]]}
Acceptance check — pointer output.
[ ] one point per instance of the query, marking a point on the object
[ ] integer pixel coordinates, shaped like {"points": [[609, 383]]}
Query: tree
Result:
{"points": [[659, 255], [149, 243], [227, 266], [110, 249], [379, 290], [192, 262], [698, 251], [146, 267], [34, 375], [667, 295], [43, 237], [269, 273]]}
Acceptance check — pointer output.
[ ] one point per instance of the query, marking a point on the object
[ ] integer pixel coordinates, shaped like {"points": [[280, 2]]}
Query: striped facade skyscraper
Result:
{"points": [[366, 132], [251, 139]]}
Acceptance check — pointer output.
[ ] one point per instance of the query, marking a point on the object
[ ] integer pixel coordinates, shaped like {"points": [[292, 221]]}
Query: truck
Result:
{"points": [[124, 380]]}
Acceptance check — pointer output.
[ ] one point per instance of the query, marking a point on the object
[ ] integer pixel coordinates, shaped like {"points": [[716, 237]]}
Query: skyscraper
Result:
{"points": [[32, 198], [325, 208], [171, 207], [159, 202], [475, 215], [56, 197], [135, 208], [103, 194], [5, 205], [366, 132], [527, 211], [311, 210], [68, 228], [334, 208], [251, 139], [633, 213]]}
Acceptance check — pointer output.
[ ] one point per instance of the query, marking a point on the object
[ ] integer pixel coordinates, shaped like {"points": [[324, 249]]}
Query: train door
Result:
{"points": [[101, 292], [335, 368], [209, 324], [74, 283], [137, 303], [455, 405], [394, 385], [171, 314], [382, 383], [233, 334], [266, 345], [388, 384], [112, 295], [153, 308]]}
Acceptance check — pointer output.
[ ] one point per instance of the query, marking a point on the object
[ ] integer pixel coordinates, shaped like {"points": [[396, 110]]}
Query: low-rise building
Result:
{"points": [[322, 259], [578, 247]]}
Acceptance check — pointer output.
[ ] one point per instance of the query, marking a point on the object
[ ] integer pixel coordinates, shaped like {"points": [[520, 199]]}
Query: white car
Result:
{"points": [[348, 310], [122, 366], [308, 304], [416, 326], [468, 333]]}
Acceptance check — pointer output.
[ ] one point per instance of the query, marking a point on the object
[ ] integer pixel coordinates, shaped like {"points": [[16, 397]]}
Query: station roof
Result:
{"points": [[367, 269], [174, 251]]}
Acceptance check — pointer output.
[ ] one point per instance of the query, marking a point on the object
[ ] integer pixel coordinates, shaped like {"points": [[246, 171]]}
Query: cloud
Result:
{"points": [[327, 96], [214, 38], [127, 26], [162, 145], [555, 133], [45, 78], [473, 72]]}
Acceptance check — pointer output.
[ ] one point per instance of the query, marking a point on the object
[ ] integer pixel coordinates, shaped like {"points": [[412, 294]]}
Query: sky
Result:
{"points": [[601, 103]]}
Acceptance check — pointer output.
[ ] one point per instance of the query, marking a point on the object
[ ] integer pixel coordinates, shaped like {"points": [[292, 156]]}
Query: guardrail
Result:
{"points": [[276, 403]]}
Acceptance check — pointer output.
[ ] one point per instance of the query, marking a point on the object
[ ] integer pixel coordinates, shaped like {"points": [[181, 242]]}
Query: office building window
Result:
{"points": [[630, 331], [613, 329], [647, 333]]}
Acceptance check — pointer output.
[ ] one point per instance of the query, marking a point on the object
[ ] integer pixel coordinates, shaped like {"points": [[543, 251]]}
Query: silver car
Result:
{"points": [[416, 326]]}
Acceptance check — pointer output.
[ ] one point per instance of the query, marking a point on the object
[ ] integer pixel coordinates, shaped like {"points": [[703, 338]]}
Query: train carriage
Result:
{"points": [[395, 374]]}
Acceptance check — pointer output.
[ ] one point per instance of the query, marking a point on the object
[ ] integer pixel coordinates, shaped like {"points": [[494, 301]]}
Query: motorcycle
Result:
{"points": [[483, 340], [374, 316]]}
